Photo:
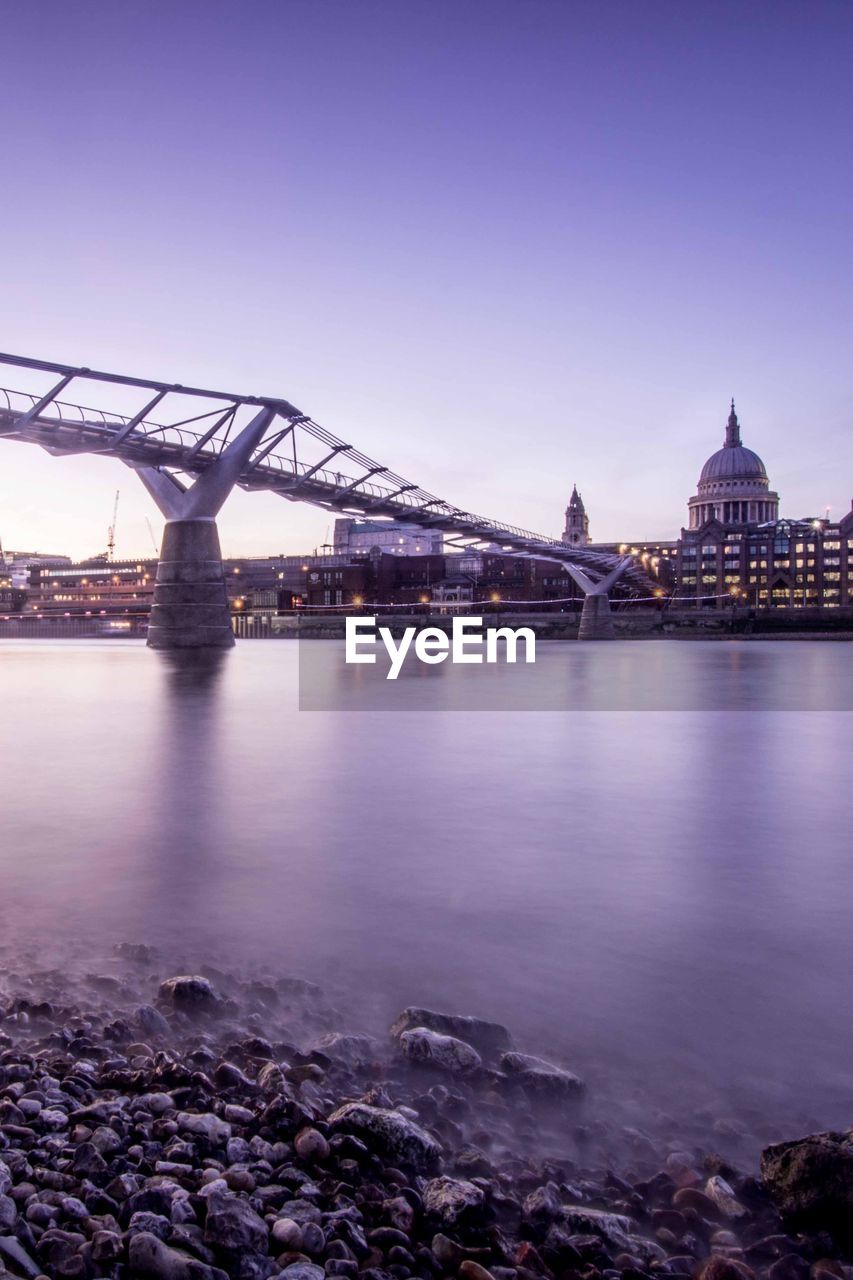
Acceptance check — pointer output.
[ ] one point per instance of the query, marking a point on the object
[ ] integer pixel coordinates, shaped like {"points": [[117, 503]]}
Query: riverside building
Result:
{"points": [[736, 549]]}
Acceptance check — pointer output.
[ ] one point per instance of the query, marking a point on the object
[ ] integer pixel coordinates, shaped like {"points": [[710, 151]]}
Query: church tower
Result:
{"points": [[576, 532]]}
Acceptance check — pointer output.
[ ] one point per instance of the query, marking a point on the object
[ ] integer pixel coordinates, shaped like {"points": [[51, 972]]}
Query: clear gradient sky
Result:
{"points": [[502, 245]]}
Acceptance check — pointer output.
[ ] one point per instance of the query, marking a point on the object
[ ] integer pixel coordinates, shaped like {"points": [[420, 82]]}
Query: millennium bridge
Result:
{"points": [[191, 446]]}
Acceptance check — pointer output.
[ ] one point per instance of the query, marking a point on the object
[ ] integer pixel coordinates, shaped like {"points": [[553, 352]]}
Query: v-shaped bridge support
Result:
{"points": [[596, 621], [191, 609]]}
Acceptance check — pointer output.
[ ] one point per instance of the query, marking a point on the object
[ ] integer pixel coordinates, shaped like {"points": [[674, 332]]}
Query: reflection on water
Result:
{"points": [[646, 893]]}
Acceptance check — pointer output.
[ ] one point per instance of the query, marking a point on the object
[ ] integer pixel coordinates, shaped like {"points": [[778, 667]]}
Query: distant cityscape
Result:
{"points": [[734, 550]]}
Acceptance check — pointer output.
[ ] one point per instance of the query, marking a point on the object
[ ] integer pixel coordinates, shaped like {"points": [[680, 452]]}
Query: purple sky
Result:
{"points": [[500, 246]]}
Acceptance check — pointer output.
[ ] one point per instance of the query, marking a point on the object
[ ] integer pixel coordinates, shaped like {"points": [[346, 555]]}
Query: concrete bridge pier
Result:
{"points": [[190, 609], [596, 620]]}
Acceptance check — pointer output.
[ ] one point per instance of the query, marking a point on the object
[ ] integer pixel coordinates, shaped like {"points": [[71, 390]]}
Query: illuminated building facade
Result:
{"points": [[736, 550]]}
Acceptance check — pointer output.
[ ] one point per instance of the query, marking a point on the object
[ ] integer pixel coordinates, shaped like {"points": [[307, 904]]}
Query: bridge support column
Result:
{"points": [[191, 609], [596, 620]]}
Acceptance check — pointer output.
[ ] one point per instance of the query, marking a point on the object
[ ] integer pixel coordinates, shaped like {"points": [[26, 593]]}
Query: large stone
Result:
{"points": [[232, 1223], [8, 1213], [452, 1201], [206, 1125], [613, 1228], [389, 1133], [347, 1046], [303, 1271], [188, 992], [13, 1252], [149, 1257], [435, 1050], [489, 1038], [811, 1180], [720, 1268], [151, 1021], [541, 1078], [723, 1196], [543, 1204], [310, 1145]]}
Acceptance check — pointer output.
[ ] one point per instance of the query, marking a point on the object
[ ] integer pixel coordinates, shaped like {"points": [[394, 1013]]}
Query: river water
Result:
{"points": [[660, 897]]}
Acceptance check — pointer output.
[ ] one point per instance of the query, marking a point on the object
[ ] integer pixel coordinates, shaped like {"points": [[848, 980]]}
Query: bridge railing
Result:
{"points": [[297, 458]]}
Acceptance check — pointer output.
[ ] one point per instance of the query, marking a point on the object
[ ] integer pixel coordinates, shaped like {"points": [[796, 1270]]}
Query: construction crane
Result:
{"points": [[153, 539], [111, 533]]}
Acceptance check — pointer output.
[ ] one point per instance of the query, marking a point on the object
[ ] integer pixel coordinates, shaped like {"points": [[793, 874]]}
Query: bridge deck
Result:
{"points": [[293, 460]]}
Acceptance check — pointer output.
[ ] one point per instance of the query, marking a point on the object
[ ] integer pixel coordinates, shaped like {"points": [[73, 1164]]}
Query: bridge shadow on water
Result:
{"points": [[193, 672]]}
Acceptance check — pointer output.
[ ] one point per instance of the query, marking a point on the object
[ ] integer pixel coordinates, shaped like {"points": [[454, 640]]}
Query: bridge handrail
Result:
{"points": [[373, 487]]}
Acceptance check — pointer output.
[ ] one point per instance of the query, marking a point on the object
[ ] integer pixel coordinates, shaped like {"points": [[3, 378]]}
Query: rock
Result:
{"points": [[399, 1213], [152, 1224], [19, 1260], [723, 1196], [489, 1038], [151, 1021], [232, 1223], [452, 1201], [206, 1125], [301, 1211], [303, 1271], [613, 1228], [447, 1252], [388, 1132], [8, 1213], [157, 1103], [310, 1145], [541, 1078], [470, 1270], [271, 1078], [544, 1204], [150, 1257], [105, 1140], [235, 1114], [717, 1268], [811, 1180], [287, 1235], [107, 1246], [789, 1267], [693, 1198], [349, 1047], [437, 1050], [313, 1239], [190, 993], [5, 1178]]}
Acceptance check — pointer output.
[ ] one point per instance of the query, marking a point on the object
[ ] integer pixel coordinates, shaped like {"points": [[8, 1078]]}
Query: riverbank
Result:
{"points": [[630, 622], [214, 1125]]}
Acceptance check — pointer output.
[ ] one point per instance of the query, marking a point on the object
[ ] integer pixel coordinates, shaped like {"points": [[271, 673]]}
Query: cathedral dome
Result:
{"points": [[733, 485], [734, 462]]}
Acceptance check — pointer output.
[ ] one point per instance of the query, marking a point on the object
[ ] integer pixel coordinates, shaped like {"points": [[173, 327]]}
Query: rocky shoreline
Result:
{"points": [[206, 1126]]}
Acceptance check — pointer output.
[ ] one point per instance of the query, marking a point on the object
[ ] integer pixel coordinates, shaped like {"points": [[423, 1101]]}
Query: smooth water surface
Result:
{"points": [[662, 897]]}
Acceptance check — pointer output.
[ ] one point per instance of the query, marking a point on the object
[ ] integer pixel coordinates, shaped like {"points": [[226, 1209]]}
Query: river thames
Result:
{"points": [[662, 897]]}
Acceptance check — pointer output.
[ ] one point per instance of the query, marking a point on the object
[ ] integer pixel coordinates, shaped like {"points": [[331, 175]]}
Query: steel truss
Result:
{"points": [[296, 458]]}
